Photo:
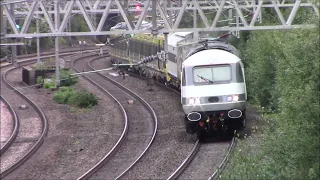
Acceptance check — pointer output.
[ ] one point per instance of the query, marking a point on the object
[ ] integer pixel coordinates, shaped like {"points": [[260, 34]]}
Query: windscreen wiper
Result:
{"points": [[208, 80]]}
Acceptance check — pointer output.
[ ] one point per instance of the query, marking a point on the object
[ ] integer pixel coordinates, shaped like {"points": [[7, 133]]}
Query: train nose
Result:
{"points": [[234, 113], [194, 116]]}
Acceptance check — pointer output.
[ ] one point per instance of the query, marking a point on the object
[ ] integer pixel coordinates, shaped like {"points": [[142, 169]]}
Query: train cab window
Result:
{"points": [[212, 74]]}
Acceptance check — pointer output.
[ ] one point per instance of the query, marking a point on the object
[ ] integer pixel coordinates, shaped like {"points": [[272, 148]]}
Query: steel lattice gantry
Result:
{"points": [[216, 15]]}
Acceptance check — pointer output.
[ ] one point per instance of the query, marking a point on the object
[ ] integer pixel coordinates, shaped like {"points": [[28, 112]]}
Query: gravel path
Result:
{"points": [[6, 123], [172, 144], [77, 139]]}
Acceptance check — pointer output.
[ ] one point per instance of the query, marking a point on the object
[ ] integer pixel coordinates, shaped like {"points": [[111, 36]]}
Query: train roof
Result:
{"points": [[183, 34], [211, 56]]}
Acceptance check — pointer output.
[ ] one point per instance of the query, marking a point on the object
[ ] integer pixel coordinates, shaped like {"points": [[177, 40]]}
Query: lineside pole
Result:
{"points": [[2, 32], [154, 18], [57, 25], [13, 47], [170, 13], [166, 48], [195, 18], [38, 39]]}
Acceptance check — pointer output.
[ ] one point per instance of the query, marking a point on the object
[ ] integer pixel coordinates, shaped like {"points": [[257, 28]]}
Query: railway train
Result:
{"points": [[209, 74]]}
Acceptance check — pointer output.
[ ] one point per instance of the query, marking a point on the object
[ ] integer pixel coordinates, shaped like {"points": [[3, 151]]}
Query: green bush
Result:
{"points": [[66, 80], [283, 72], [63, 95], [83, 100], [67, 95], [39, 80], [49, 83], [260, 70]]}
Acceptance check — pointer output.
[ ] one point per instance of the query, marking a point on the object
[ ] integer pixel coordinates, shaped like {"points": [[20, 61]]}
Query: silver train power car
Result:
{"points": [[213, 89], [210, 76]]}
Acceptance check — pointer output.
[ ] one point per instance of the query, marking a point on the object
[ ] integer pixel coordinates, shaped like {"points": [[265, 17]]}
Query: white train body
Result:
{"points": [[218, 98], [212, 83], [223, 87]]}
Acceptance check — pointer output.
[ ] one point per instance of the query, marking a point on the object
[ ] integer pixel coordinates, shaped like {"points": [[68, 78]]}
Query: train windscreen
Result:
{"points": [[212, 74]]}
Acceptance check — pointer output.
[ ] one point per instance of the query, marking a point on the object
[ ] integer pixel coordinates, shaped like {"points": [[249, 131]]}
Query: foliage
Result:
{"points": [[49, 83], [66, 80], [47, 64], [67, 95], [78, 24], [282, 72], [4, 51], [39, 80], [83, 100]]}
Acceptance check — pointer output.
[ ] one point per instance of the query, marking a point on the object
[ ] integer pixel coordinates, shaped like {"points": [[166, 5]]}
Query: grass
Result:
{"points": [[75, 98]]}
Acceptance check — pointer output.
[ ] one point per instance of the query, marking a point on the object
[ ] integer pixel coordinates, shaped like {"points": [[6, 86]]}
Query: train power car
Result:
{"points": [[213, 89], [210, 76]]}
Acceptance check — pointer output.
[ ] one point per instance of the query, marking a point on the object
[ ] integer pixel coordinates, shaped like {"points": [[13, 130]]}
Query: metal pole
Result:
{"points": [[195, 34], [14, 47], [127, 48], [38, 39], [57, 25], [170, 13], [166, 50], [2, 20], [154, 18]]}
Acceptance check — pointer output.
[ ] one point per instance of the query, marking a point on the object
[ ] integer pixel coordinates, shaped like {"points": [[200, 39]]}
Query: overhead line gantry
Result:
{"points": [[226, 15], [247, 12]]}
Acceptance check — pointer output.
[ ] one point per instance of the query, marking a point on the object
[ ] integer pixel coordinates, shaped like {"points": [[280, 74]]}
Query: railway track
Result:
{"points": [[177, 173], [140, 129], [33, 128], [15, 127], [33, 55], [30, 124], [30, 58], [187, 162], [196, 147]]}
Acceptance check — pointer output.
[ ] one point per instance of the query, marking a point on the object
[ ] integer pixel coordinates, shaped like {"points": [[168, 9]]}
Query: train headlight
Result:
{"points": [[193, 100], [197, 100], [235, 97]]}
